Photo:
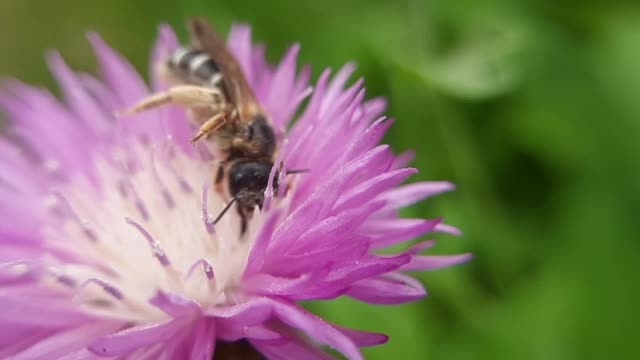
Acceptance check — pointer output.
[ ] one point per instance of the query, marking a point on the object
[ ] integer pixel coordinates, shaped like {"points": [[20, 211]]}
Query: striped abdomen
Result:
{"points": [[195, 65]]}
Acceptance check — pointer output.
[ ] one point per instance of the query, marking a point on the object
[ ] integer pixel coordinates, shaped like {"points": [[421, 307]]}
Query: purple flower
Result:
{"points": [[107, 248]]}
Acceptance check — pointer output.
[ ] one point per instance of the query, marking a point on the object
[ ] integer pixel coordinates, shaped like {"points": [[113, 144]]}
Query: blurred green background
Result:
{"points": [[530, 107]]}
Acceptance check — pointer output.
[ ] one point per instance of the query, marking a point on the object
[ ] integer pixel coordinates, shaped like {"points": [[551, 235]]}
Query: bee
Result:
{"points": [[209, 82]]}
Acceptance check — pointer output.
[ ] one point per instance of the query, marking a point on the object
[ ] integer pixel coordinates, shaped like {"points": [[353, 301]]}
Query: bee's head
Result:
{"points": [[248, 180]]}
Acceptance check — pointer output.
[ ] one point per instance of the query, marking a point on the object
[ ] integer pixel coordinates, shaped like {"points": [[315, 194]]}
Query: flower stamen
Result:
{"points": [[184, 185], [206, 217], [166, 195], [83, 223], [108, 287], [139, 204], [158, 253], [206, 267]]}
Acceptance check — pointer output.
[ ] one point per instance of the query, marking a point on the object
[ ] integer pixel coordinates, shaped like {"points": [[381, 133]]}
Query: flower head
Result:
{"points": [[108, 249]]}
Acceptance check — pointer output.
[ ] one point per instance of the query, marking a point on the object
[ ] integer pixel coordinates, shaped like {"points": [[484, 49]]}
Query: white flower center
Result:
{"points": [[142, 229]]}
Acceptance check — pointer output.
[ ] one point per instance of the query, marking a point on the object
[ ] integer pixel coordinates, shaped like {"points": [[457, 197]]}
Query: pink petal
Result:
{"points": [[177, 347], [312, 109], [128, 87], [331, 231], [80, 101], [261, 243], [367, 267], [448, 229], [315, 327], [231, 321], [126, 341], [386, 290], [336, 86], [175, 304], [370, 137], [419, 247], [373, 109], [403, 159], [363, 338], [23, 305], [20, 338], [99, 90], [293, 348], [14, 164], [349, 250], [391, 232], [204, 340], [62, 343], [266, 284], [240, 45], [410, 194], [299, 221], [173, 117], [343, 176], [165, 44], [118, 72], [283, 79], [27, 108], [256, 311], [369, 189], [430, 262], [264, 334]]}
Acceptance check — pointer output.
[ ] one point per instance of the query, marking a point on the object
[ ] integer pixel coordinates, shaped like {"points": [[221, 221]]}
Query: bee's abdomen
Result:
{"points": [[196, 65]]}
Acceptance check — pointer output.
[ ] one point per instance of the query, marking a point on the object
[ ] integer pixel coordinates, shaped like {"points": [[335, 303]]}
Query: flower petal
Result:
{"points": [[261, 243], [118, 72], [173, 117], [258, 310], [128, 86], [283, 82], [387, 290], [363, 338], [204, 340], [293, 348], [369, 189], [367, 267], [131, 339], [165, 44], [231, 321], [315, 327], [430, 262], [79, 100], [240, 45], [65, 342], [174, 304], [332, 231], [23, 305], [448, 229], [334, 90], [410, 194], [391, 232], [404, 159], [265, 334], [27, 108]]}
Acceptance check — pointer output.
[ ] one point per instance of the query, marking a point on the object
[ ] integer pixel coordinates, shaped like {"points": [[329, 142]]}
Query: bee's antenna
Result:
{"points": [[296, 171], [224, 211]]}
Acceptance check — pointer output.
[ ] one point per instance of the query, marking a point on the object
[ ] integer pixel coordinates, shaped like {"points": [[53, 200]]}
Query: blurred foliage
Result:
{"points": [[530, 107]]}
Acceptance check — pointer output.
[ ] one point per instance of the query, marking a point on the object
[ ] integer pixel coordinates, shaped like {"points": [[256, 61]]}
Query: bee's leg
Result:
{"points": [[187, 95], [211, 125]]}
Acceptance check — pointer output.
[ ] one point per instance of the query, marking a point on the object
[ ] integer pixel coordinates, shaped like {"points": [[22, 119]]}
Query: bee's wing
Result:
{"points": [[238, 90]]}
